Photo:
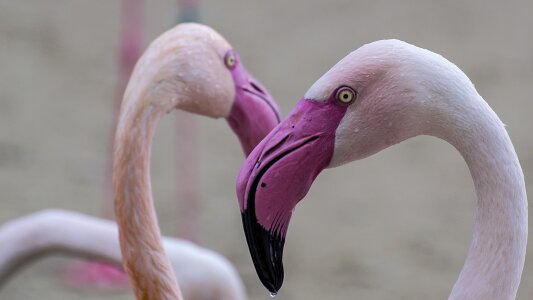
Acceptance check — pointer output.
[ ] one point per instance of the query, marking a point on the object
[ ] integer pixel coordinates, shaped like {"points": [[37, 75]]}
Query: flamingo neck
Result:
{"points": [[496, 255], [140, 238], [28, 238]]}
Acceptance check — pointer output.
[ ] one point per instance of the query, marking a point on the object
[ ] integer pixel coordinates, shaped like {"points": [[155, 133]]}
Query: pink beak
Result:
{"points": [[278, 174], [254, 113]]}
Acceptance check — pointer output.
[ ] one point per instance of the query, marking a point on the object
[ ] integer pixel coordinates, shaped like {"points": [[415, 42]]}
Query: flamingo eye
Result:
{"points": [[230, 60], [345, 95]]}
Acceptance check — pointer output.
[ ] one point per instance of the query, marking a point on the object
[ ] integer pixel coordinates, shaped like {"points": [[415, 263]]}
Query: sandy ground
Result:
{"points": [[394, 226]]}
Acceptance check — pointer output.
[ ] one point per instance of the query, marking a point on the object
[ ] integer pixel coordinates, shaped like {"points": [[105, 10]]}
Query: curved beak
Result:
{"points": [[254, 113], [277, 175]]}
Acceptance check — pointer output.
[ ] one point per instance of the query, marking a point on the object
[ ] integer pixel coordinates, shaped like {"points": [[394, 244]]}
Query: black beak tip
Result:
{"points": [[272, 281], [266, 249], [270, 273], [272, 290]]}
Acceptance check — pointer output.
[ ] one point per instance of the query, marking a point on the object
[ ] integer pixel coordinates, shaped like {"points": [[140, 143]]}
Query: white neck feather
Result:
{"points": [[495, 259]]}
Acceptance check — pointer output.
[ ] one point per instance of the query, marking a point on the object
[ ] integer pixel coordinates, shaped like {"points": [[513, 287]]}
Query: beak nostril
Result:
{"points": [[256, 87], [274, 147]]}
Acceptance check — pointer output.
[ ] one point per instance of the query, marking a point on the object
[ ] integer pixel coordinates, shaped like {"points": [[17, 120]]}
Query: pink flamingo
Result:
{"points": [[203, 274], [131, 46], [192, 68], [195, 51], [382, 94]]}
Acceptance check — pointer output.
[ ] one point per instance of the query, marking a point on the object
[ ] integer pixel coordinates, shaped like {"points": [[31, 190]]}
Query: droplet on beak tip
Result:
{"points": [[273, 294]]}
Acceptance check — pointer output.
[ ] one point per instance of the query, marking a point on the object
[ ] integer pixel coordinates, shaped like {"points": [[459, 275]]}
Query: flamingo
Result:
{"points": [[190, 67], [379, 95], [202, 273]]}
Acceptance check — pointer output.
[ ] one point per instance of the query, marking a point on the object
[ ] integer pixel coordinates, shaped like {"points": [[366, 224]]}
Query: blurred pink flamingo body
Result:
{"points": [[203, 274], [382, 94]]}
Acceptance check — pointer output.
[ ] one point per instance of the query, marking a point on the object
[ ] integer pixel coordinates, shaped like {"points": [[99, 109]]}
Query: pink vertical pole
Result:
{"points": [[189, 10], [187, 160], [131, 47], [131, 44], [97, 274]]}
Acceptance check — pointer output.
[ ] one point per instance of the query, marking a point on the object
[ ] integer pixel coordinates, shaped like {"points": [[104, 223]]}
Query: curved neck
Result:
{"points": [[28, 238], [495, 259], [140, 239]]}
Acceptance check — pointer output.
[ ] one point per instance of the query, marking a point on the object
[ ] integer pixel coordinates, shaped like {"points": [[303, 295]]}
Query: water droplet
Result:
{"points": [[273, 294]]}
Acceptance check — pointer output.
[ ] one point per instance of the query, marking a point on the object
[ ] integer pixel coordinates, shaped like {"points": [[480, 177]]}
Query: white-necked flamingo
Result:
{"points": [[192, 68], [379, 95]]}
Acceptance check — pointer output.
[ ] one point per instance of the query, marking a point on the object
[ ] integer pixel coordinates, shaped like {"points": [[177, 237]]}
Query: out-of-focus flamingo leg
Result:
{"points": [[186, 145], [94, 273]]}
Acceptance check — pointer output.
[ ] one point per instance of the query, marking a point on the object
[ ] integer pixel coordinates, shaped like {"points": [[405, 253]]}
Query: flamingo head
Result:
{"points": [[193, 68], [375, 97]]}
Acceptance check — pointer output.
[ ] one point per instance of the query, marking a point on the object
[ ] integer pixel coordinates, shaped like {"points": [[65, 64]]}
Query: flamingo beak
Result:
{"points": [[254, 112], [277, 175]]}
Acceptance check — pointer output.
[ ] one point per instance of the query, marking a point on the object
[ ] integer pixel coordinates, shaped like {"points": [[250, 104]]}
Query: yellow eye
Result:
{"points": [[230, 60], [345, 95]]}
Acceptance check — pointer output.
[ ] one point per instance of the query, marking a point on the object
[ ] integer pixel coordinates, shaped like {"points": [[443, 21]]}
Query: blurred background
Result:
{"points": [[401, 220]]}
